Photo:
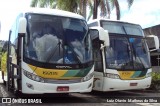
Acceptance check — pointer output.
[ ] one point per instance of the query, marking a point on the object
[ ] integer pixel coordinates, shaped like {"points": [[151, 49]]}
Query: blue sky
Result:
{"points": [[143, 12]]}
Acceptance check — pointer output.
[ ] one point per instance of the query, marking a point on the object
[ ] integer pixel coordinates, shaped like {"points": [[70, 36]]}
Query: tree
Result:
{"points": [[107, 6], [79, 6], [82, 7], [68, 5], [44, 3], [76, 6]]}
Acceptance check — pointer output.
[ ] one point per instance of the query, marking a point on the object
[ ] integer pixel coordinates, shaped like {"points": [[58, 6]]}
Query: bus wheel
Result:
{"points": [[7, 85], [4, 82], [17, 93], [157, 87]]}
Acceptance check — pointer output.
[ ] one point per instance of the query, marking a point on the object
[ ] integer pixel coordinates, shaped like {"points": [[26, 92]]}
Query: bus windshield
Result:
{"points": [[127, 53], [122, 28], [57, 40]]}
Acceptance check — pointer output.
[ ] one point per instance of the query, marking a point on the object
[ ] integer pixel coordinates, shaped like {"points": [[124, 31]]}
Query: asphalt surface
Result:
{"points": [[121, 98]]}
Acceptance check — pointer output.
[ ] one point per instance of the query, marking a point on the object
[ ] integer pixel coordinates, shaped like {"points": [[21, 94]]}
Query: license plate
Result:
{"points": [[63, 88], [133, 84]]}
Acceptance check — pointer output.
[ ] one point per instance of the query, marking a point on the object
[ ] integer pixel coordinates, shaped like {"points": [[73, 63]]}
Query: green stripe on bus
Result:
{"points": [[83, 72], [71, 73], [136, 74]]}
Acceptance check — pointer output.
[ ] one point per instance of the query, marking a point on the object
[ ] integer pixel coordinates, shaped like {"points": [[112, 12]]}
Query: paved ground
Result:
{"points": [[85, 99]]}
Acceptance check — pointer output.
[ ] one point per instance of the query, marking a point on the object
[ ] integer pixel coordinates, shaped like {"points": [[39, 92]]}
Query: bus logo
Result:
{"points": [[6, 100], [63, 67]]}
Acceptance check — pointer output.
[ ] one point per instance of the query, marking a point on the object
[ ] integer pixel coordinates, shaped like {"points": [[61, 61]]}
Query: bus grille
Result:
{"points": [[62, 81]]}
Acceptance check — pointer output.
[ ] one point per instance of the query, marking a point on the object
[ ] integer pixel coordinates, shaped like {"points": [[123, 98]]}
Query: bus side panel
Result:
{"points": [[98, 81]]}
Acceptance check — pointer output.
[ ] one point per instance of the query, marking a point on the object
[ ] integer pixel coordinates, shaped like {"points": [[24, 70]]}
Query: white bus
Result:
{"points": [[49, 51], [125, 63]]}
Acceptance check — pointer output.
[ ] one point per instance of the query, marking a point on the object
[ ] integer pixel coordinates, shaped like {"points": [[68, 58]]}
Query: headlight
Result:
{"points": [[33, 76], [87, 77], [149, 74], [114, 76]]}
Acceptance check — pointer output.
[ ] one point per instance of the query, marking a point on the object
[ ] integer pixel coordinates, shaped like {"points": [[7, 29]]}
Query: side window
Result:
{"points": [[14, 31], [13, 40], [97, 55], [93, 24]]}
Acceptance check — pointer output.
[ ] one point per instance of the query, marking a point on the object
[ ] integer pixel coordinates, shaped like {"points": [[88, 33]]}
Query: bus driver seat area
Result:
{"points": [[42, 40]]}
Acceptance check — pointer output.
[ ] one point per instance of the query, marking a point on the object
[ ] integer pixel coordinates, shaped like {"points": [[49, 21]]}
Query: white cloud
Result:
{"points": [[143, 12], [8, 11]]}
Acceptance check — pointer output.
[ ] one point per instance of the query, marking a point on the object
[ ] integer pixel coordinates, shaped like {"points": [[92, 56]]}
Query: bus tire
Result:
{"points": [[17, 93], [157, 87], [4, 82], [7, 86]]}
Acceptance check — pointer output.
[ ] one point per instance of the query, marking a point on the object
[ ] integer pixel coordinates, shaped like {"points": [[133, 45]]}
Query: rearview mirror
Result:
{"points": [[22, 25], [153, 42], [101, 33]]}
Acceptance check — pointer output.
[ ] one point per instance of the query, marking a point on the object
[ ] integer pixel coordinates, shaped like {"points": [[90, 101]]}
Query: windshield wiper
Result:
{"points": [[128, 63], [134, 52], [138, 57], [74, 53], [54, 51]]}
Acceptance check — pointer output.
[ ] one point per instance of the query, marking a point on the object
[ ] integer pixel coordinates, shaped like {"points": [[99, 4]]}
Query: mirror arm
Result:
{"points": [[102, 46], [152, 50]]}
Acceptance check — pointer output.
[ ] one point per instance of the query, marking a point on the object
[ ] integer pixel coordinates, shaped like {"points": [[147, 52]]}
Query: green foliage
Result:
{"points": [[3, 61], [44, 3], [156, 76], [155, 85], [80, 6], [34, 3], [0, 49], [68, 5], [0, 55]]}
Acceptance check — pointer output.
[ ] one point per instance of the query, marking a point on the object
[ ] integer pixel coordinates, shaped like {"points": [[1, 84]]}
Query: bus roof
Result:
{"points": [[56, 12], [110, 20]]}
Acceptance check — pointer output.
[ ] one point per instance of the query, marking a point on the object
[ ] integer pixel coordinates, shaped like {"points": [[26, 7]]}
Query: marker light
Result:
{"points": [[110, 75]]}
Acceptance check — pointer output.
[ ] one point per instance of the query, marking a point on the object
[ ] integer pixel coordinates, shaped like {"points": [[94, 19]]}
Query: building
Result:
{"points": [[155, 56]]}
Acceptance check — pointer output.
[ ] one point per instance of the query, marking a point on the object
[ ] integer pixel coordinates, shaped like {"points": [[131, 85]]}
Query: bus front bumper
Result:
{"points": [[32, 87], [117, 84]]}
